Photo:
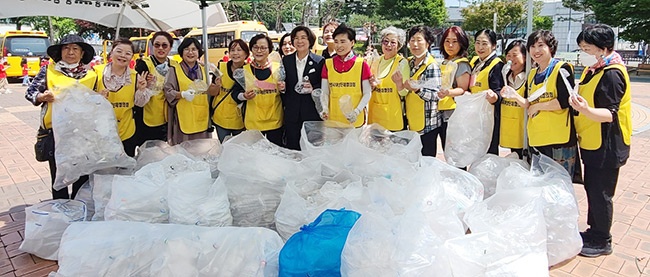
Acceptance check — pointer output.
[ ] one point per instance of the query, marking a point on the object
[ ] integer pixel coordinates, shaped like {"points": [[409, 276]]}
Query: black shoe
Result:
{"points": [[594, 249]]}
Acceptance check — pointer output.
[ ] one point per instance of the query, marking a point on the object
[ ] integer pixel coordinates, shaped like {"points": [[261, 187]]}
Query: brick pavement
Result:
{"points": [[24, 181]]}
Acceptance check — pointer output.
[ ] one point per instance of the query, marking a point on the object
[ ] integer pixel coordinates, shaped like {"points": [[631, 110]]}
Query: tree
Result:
{"points": [[542, 23], [633, 15], [410, 13], [511, 17]]}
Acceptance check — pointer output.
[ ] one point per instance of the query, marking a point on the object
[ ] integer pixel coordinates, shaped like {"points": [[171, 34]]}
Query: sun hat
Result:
{"points": [[54, 51]]}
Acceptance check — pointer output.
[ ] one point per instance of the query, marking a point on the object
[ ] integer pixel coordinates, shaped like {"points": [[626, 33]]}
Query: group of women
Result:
{"points": [[562, 121], [169, 101]]}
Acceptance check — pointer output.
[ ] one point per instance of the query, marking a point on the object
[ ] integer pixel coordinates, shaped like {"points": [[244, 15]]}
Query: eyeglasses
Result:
{"points": [[190, 50], [163, 46], [387, 43], [260, 48]]}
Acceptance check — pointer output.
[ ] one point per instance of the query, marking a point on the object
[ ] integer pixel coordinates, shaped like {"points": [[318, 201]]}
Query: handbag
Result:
{"points": [[44, 147]]}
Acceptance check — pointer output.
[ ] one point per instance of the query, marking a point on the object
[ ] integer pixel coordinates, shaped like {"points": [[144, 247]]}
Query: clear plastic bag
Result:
{"points": [[196, 199], [45, 223], [488, 168], [560, 206], [85, 135], [470, 130], [319, 136], [448, 76], [119, 248]]}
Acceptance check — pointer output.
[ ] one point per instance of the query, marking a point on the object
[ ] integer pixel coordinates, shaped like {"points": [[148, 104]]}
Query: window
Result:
{"points": [[248, 35], [220, 40], [27, 46]]}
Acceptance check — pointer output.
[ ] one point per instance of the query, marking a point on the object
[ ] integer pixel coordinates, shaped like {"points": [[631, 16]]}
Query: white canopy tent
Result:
{"points": [[159, 15]]}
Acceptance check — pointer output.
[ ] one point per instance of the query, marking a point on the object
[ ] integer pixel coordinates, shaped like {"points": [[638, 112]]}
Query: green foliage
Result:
{"points": [[542, 23], [633, 15], [409, 13]]}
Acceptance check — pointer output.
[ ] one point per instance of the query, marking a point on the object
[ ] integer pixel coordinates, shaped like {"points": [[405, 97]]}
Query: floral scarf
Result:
{"points": [[613, 58], [76, 71]]}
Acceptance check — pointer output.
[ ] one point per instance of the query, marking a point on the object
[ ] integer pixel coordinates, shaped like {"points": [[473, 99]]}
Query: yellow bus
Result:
{"points": [[220, 36], [31, 45], [320, 43]]}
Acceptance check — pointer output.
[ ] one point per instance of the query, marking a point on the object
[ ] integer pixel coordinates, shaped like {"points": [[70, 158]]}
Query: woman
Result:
{"points": [[151, 120], [512, 113], [454, 48], [385, 106], [421, 103], [345, 74], [302, 68], [227, 117], [604, 128], [286, 46], [117, 82], [188, 110], [71, 57], [550, 125], [328, 39], [486, 77], [261, 92]]}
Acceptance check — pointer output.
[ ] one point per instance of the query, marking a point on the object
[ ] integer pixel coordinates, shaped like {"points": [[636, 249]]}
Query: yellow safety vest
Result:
{"points": [[512, 122], [122, 101], [227, 115], [548, 127], [155, 111], [345, 83], [385, 106], [447, 103], [413, 104], [589, 131], [56, 81], [481, 81], [264, 112], [193, 117]]}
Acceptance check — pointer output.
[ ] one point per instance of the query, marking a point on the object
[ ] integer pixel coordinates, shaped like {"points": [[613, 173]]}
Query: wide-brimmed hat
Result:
{"points": [[54, 51]]}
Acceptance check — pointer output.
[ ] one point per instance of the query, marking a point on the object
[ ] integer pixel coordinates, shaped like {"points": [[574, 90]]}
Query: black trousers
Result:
{"points": [[130, 144], [63, 193], [292, 135], [143, 132], [430, 143], [275, 136], [494, 143], [600, 185], [443, 134]]}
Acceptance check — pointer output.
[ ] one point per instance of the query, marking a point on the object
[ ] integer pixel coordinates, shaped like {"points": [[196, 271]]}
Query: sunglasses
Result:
{"points": [[163, 46]]}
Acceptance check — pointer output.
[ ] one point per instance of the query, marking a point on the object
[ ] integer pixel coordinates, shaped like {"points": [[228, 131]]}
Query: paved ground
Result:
{"points": [[23, 182]]}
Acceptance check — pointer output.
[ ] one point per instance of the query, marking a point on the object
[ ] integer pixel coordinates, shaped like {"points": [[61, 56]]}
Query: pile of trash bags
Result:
{"points": [[206, 209]]}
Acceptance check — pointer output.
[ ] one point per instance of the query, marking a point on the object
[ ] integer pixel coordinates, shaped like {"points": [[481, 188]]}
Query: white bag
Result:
{"points": [[320, 136], [85, 135], [197, 199], [45, 223], [470, 130], [119, 248], [101, 192]]}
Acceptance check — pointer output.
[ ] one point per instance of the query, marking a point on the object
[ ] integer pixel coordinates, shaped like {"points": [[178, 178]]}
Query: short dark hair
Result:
{"points": [[463, 41], [333, 23], [125, 41], [342, 29], [286, 35], [169, 37], [426, 31], [489, 33], [599, 35], [241, 44], [189, 41], [546, 36], [516, 43], [258, 37], [310, 35]]}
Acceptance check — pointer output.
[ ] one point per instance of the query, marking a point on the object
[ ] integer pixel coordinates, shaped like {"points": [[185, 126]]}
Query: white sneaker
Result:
{"points": [[8, 91]]}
